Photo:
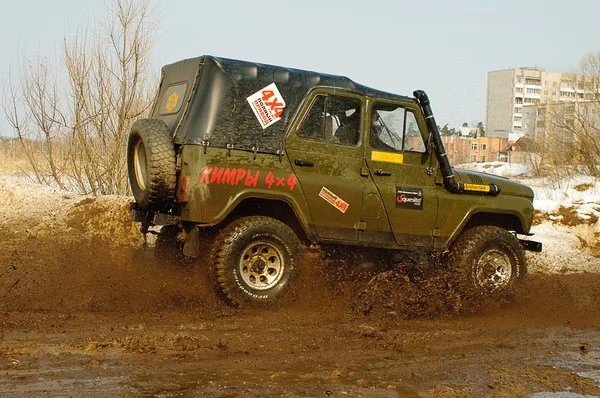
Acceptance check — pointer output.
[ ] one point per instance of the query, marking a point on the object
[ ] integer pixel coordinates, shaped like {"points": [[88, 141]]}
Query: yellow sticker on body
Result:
{"points": [[477, 188], [387, 157], [172, 102]]}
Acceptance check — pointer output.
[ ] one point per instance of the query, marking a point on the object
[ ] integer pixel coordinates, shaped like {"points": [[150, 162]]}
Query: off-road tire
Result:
{"points": [[151, 164], [256, 262], [486, 261]]}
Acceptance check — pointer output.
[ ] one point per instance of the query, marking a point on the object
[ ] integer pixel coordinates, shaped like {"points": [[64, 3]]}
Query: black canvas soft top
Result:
{"points": [[216, 110]]}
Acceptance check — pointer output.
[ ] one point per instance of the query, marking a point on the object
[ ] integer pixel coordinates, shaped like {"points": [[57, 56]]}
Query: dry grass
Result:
{"points": [[13, 160]]}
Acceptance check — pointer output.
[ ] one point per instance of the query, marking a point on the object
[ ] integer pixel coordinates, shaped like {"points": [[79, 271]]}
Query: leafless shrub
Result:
{"points": [[73, 123], [568, 133]]}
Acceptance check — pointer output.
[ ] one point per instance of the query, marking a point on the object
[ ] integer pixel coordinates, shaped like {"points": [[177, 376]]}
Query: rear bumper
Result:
{"points": [[149, 218]]}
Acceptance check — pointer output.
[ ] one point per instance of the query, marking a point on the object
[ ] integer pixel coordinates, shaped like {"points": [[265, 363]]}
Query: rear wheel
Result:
{"points": [[487, 261], [151, 164], [256, 261]]}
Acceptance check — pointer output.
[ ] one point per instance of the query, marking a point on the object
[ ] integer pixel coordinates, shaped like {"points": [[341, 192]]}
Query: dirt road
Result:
{"points": [[87, 311]]}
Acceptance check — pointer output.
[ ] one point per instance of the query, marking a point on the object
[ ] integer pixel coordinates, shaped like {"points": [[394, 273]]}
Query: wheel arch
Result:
{"points": [[507, 221], [510, 222], [274, 208]]}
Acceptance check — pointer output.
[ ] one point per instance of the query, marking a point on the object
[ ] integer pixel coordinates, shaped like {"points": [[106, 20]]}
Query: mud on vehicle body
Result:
{"points": [[264, 158]]}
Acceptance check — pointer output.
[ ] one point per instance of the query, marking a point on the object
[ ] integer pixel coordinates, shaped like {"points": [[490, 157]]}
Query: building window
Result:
{"points": [[545, 92], [473, 158], [554, 84], [570, 110], [516, 128], [541, 123], [519, 89], [519, 79], [541, 111], [518, 100], [483, 158], [533, 91], [483, 148], [533, 81], [517, 118], [518, 109], [474, 147], [554, 93]]}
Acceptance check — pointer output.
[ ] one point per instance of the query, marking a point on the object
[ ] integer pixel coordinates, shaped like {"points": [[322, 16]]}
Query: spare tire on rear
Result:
{"points": [[151, 164]]}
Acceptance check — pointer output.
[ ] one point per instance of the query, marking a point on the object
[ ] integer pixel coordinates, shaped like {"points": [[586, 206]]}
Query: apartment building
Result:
{"points": [[510, 91], [465, 149], [561, 119]]}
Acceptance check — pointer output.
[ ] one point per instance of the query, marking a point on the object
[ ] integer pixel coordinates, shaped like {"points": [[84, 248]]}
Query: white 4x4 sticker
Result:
{"points": [[267, 104]]}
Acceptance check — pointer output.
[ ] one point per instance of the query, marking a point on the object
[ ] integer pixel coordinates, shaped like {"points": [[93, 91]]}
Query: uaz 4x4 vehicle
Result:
{"points": [[253, 159]]}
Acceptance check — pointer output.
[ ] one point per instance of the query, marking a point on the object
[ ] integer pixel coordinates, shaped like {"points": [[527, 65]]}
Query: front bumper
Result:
{"points": [[531, 245]]}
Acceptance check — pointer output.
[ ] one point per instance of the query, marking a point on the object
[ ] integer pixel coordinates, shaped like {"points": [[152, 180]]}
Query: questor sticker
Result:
{"points": [[409, 198], [267, 104], [334, 200]]}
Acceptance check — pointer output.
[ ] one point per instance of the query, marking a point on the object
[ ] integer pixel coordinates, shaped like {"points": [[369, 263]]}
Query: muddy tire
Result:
{"points": [[256, 262], [168, 249], [151, 164], [486, 261]]}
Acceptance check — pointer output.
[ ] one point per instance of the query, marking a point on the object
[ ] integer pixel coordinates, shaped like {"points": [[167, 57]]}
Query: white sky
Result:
{"points": [[444, 47]]}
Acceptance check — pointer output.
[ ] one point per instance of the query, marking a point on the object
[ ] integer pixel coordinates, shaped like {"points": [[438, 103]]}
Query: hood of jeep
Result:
{"points": [[507, 187]]}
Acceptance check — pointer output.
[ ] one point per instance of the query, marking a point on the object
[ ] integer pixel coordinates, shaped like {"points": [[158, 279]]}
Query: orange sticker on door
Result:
{"points": [[334, 200]]}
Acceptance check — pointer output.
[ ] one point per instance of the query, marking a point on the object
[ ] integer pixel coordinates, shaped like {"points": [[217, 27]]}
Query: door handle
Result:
{"points": [[379, 172], [303, 163]]}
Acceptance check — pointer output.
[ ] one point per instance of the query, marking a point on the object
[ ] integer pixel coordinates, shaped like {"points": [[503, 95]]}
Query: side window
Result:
{"points": [[312, 125], [413, 140], [394, 129], [333, 119], [387, 126], [345, 116]]}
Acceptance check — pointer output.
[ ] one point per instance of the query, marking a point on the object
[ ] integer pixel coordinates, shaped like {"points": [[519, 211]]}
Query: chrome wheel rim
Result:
{"points": [[139, 164], [494, 270], [261, 266]]}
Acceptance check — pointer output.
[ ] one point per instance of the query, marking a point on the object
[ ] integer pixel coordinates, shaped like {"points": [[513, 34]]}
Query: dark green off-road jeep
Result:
{"points": [[244, 162]]}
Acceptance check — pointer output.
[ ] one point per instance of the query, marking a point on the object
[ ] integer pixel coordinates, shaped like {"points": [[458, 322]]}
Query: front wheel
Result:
{"points": [[487, 261], [256, 261]]}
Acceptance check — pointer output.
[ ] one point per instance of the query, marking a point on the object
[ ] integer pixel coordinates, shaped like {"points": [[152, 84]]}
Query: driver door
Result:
{"points": [[401, 168]]}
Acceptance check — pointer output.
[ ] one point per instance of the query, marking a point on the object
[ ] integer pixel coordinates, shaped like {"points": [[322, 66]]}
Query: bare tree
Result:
{"points": [[75, 133], [568, 133]]}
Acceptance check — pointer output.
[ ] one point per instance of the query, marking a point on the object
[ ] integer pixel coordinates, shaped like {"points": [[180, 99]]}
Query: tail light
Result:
{"points": [[183, 190]]}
